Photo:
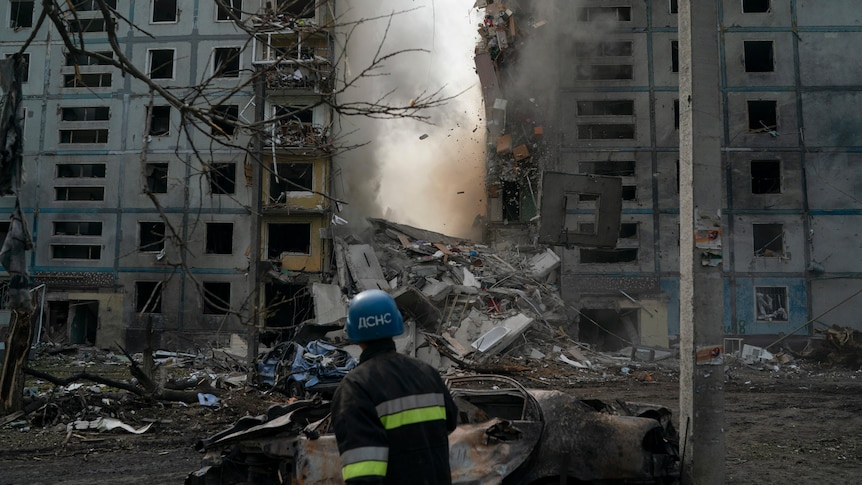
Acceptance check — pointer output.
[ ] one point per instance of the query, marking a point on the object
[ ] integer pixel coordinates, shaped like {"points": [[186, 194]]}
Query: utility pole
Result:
{"points": [[701, 300]]}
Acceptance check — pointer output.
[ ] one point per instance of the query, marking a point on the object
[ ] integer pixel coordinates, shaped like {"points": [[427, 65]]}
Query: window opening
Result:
{"points": [[765, 177], [629, 192], [85, 25], [98, 113], [157, 177], [79, 193], [222, 178], [162, 64], [226, 62], [674, 6], [303, 9], [216, 298], [768, 240], [511, 201], [592, 14], [287, 304], [291, 238], [152, 236], [77, 228], [629, 230], [76, 251], [755, 6], [80, 170], [84, 136], [148, 296], [625, 168], [219, 238], [674, 56], [231, 6], [604, 72], [160, 120], [91, 5], [771, 303], [25, 72], [292, 177], [608, 256], [83, 80], [759, 56], [224, 119], [615, 107], [608, 330], [21, 15], [164, 11], [89, 60], [762, 116], [606, 131], [604, 49], [676, 114]]}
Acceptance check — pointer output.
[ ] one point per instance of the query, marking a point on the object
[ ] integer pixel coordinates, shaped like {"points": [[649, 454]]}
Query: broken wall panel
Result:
{"points": [[558, 193]]}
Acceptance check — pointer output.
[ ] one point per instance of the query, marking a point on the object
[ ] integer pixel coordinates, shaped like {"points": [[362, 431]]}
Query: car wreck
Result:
{"points": [[506, 434], [296, 369]]}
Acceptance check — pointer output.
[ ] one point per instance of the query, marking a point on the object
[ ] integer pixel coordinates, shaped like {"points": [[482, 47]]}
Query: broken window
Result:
{"points": [[79, 193], [581, 218], [77, 228], [762, 116], [608, 256], [608, 330], [91, 5], [291, 238], [771, 303], [80, 170], [98, 113], [222, 178], [84, 136], [765, 177], [164, 11], [593, 14], [160, 120], [84, 25], [4, 229], [148, 296], [224, 118], [97, 80], [755, 6], [226, 62], [674, 6], [606, 131], [76, 251], [219, 238], [156, 177], [604, 49], [629, 230], [287, 304], [151, 236], [21, 14], [292, 177], [674, 56], [676, 114], [604, 72], [303, 9], [216, 298], [768, 240], [25, 71], [623, 168], [161, 63], [613, 107], [230, 6], [759, 56], [630, 192], [89, 60]]}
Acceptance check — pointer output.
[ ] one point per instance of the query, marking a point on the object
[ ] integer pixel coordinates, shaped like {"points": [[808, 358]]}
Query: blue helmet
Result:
{"points": [[373, 315]]}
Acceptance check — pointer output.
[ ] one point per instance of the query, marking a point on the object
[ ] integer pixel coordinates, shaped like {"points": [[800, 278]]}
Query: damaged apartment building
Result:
{"points": [[582, 110], [141, 221]]}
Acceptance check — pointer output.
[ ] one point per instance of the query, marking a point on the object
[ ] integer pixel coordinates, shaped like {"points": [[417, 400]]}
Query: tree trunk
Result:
{"points": [[18, 342]]}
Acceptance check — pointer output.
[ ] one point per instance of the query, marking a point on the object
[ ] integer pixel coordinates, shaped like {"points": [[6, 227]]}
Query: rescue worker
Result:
{"points": [[392, 414]]}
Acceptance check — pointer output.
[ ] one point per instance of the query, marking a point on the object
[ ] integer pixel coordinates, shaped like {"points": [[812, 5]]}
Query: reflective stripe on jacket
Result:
{"points": [[392, 415]]}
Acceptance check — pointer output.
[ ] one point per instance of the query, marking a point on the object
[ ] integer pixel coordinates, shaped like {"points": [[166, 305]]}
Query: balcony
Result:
{"points": [[298, 134], [299, 78]]}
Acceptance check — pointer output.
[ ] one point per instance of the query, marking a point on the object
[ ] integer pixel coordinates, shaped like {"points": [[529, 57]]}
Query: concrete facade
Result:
{"points": [[790, 139], [98, 183]]}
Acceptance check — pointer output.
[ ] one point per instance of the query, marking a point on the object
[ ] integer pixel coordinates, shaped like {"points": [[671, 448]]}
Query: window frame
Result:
{"points": [[173, 66], [227, 73], [153, 11]]}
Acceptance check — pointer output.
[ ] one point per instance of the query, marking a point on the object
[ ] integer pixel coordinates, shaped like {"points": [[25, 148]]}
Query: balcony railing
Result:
{"points": [[304, 76], [297, 134]]}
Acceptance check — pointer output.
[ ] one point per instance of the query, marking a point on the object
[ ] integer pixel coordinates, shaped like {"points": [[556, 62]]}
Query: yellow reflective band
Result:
{"points": [[364, 469], [413, 416]]}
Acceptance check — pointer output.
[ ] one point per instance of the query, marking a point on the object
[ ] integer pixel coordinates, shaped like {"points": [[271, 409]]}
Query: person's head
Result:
{"points": [[373, 315]]}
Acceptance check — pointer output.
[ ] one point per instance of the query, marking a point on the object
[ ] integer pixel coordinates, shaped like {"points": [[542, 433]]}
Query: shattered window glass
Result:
{"points": [[771, 303]]}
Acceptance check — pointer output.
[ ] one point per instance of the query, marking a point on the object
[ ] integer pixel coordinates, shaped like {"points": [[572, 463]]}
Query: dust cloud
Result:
{"points": [[430, 175]]}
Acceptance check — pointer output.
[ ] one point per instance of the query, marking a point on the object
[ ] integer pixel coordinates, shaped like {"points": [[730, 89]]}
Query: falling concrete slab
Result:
{"points": [[542, 264], [365, 268], [415, 305], [329, 304]]}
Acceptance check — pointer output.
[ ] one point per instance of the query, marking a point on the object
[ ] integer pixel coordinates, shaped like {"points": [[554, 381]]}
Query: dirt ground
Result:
{"points": [[792, 423]]}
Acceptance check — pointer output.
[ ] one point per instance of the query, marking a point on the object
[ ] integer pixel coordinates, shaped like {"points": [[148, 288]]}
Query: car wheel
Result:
{"points": [[296, 389]]}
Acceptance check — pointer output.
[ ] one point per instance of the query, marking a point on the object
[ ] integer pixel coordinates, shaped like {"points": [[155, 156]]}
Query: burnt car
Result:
{"points": [[506, 434], [297, 369]]}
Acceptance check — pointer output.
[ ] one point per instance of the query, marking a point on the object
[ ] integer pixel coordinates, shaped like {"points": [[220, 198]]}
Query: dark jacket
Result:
{"points": [[392, 415]]}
